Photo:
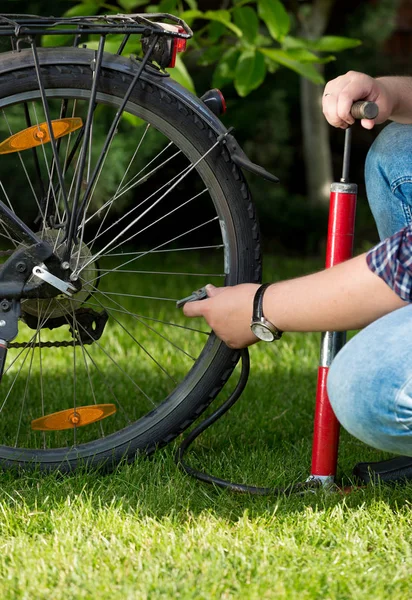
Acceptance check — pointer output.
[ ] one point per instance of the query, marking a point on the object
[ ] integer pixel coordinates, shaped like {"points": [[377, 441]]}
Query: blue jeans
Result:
{"points": [[370, 380]]}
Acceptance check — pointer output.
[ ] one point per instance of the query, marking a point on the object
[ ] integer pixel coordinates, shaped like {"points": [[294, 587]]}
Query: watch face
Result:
{"points": [[262, 332]]}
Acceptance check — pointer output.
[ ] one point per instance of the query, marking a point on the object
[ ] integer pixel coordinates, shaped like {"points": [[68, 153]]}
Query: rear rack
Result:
{"points": [[18, 25]]}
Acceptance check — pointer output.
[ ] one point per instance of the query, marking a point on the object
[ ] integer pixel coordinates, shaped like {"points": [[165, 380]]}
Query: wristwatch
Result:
{"points": [[261, 327]]}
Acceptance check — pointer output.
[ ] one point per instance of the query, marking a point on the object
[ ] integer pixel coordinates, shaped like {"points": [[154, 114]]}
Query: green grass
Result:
{"points": [[150, 531]]}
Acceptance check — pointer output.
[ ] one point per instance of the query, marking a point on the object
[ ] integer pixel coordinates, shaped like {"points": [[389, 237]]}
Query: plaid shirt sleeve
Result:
{"points": [[392, 261]]}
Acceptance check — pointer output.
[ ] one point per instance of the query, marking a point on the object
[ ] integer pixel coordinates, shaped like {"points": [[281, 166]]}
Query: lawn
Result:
{"points": [[149, 531]]}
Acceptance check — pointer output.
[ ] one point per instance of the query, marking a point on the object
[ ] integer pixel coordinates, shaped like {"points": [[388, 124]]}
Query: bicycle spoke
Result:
{"points": [[74, 379], [15, 379], [135, 340], [7, 235], [126, 312], [183, 273], [106, 191], [109, 204], [119, 367], [105, 294], [23, 166], [90, 382], [146, 129], [50, 171], [24, 396], [41, 379], [108, 386], [170, 241], [155, 251], [152, 206]]}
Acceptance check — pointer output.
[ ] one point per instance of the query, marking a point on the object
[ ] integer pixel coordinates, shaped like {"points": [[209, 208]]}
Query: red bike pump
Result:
{"points": [[341, 230]]}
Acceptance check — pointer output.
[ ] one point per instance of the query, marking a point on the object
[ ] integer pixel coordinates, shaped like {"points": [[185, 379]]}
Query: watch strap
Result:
{"points": [[258, 302], [258, 316]]}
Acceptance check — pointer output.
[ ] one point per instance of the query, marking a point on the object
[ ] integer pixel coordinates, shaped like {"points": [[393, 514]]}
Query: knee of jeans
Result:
{"points": [[349, 392], [341, 391], [389, 153], [388, 178]]}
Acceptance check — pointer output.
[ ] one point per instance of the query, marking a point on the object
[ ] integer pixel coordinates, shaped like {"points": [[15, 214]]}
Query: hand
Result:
{"points": [[228, 311], [342, 92]]}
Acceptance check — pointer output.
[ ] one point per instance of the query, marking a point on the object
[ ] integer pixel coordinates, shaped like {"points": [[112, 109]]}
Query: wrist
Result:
{"points": [[261, 327], [394, 99]]}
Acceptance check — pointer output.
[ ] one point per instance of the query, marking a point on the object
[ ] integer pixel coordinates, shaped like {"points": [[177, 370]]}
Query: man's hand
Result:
{"points": [[342, 92], [228, 311]]}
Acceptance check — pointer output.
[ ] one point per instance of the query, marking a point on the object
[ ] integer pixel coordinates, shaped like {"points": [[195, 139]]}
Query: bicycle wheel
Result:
{"points": [[169, 212]]}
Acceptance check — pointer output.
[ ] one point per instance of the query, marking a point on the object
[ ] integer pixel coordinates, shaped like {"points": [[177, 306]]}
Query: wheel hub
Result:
{"points": [[61, 305]]}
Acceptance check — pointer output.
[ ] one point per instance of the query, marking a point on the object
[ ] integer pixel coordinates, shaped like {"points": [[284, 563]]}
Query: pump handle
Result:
{"points": [[363, 109]]}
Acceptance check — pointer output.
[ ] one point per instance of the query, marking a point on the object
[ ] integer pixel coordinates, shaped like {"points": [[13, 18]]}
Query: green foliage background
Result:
{"points": [[252, 50]]}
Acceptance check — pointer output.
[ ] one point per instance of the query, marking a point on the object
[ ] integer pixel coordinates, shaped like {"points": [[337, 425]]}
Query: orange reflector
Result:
{"points": [[69, 419], [39, 134]]}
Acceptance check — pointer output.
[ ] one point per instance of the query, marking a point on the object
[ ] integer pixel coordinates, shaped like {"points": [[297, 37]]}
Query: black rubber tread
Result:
{"points": [[184, 410]]}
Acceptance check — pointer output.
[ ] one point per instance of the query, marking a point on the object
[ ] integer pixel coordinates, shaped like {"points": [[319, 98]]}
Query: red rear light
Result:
{"points": [[215, 101], [178, 45], [222, 98]]}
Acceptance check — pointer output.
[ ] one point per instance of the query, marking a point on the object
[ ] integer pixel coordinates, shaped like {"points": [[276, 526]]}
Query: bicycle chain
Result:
{"points": [[63, 344]]}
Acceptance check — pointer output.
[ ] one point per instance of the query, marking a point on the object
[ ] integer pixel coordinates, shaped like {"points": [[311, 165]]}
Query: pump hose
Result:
{"points": [[222, 483]]}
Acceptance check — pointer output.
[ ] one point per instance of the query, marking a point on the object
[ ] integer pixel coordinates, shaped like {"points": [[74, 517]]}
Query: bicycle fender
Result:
{"points": [[12, 61]]}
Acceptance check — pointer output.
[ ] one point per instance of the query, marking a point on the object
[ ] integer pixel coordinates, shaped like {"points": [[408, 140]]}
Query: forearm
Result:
{"points": [[399, 89], [348, 296]]}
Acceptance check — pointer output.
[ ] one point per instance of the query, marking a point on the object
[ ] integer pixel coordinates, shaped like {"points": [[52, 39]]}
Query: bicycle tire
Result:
{"points": [[190, 126]]}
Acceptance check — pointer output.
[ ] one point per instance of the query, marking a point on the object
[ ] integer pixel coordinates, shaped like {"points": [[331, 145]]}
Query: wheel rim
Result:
{"points": [[142, 378]]}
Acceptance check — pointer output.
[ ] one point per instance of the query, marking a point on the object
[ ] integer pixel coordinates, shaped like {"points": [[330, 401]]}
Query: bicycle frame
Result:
{"points": [[160, 42], [24, 28]]}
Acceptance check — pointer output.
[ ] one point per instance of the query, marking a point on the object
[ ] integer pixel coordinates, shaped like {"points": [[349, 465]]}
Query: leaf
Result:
{"points": [[112, 45], [328, 43], [190, 15], [295, 42], [180, 74], [83, 9], [223, 16], [210, 56], [225, 70], [303, 55], [305, 69], [192, 4], [334, 43], [130, 5], [275, 17], [246, 19], [49, 41], [166, 6], [250, 72], [215, 31]]}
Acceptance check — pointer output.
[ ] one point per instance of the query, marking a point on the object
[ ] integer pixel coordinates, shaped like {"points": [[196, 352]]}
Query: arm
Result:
{"points": [[347, 296], [393, 95]]}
